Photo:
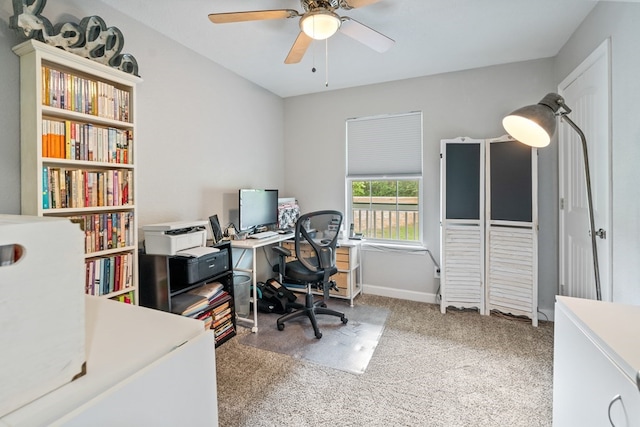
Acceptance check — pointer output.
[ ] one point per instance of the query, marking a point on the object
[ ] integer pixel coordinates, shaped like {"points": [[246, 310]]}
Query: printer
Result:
{"points": [[170, 238], [184, 243]]}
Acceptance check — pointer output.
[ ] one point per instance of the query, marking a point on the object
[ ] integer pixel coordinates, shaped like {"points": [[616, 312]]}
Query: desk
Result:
{"points": [[349, 263], [250, 246]]}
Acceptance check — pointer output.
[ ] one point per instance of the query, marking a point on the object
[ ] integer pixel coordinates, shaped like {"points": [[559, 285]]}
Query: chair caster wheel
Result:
{"points": [[344, 320], [319, 335], [280, 326], [323, 305]]}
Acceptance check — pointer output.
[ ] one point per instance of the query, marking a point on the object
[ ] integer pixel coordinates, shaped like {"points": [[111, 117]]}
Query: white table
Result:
{"points": [[249, 247]]}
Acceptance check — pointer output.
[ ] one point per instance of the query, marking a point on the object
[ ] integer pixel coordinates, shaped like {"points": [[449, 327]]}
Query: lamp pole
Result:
{"points": [[592, 231]]}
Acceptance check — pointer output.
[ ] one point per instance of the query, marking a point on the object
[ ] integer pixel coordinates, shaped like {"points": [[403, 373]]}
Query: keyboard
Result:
{"points": [[263, 235]]}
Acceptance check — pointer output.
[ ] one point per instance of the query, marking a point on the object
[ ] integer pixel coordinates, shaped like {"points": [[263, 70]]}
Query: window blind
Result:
{"points": [[385, 145]]}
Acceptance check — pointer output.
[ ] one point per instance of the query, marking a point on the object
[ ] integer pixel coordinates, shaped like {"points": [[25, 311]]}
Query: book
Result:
{"points": [[224, 328], [217, 323], [228, 332], [218, 316], [221, 308], [187, 303], [208, 290], [220, 297], [45, 187]]}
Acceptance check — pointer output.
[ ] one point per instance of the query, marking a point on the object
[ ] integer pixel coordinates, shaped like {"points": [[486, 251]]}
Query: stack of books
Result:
{"points": [[223, 320], [188, 304], [209, 303], [214, 293]]}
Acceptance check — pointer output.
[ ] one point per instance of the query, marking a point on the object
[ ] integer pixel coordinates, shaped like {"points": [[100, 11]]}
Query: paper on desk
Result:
{"points": [[197, 251]]}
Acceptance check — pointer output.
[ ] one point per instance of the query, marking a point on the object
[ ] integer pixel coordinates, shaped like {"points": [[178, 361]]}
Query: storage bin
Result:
{"points": [[42, 320]]}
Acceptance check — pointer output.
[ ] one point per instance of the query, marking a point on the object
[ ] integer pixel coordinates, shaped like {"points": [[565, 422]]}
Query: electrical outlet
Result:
{"points": [[436, 273]]}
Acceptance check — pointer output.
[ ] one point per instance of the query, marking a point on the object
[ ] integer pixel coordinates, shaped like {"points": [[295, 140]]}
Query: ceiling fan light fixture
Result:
{"points": [[320, 24]]}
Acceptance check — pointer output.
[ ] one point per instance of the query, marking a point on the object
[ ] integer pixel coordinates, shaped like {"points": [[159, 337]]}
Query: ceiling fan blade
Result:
{"points": [[352, 4], [252, 15], [298, 49], [365, 35]]}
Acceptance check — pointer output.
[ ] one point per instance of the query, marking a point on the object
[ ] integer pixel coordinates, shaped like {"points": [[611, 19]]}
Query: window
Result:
{"points": [[384, 177]]}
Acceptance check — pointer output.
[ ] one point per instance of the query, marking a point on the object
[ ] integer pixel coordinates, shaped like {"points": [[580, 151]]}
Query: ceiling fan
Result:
{"points": [[318, 22]]}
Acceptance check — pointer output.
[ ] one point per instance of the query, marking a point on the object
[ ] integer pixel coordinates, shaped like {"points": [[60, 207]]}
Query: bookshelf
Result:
{"points": [[162, 287], [78, 158]]}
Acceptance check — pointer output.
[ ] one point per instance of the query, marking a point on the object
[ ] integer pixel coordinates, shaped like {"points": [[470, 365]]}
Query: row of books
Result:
{"points": [[77, 188], [196, 301], [222, 321], [127, 298], [84, 141], [107, 230], [109, 274], [70, 92]]}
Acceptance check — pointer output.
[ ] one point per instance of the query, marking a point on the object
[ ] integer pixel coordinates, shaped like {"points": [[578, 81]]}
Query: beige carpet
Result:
{"points": [[429, 369]]}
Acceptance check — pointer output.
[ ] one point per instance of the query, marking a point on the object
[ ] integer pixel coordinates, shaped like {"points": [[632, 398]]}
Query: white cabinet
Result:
{"points": [[144, 367], [596, 364], [42, 313]]}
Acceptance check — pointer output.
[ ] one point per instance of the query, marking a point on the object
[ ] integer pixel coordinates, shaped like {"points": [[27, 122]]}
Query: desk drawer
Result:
{"points": [[343, 255], [342, 281]]}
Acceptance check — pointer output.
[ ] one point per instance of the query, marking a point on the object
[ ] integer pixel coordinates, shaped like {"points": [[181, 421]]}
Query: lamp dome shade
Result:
{"points": [[320, 24], [533, 125]]}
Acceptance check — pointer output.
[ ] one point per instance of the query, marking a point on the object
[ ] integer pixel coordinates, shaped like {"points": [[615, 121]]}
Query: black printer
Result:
{"points": [[184, 271]]}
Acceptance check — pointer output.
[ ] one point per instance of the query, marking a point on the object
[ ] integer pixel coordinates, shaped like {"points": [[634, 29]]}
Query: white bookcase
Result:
{"points": [[78, 158]]}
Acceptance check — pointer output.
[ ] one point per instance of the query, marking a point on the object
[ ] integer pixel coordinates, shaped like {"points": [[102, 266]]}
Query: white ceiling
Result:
{"points": [[432, 37]]}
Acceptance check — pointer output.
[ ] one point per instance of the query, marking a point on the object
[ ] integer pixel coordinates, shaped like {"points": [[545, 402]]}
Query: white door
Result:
{"points": [[586, 92]]}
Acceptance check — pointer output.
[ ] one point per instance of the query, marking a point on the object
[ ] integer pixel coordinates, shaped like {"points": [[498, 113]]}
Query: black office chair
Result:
{"points": [[316, 237]]}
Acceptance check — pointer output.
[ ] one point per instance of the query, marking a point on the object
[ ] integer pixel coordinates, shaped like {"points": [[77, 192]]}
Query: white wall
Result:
{"points": [[469, 103], [203, 132], [618, 21]]}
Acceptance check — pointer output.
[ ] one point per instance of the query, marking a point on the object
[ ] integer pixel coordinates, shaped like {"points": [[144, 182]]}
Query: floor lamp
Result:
{"points": [[535, 125]]}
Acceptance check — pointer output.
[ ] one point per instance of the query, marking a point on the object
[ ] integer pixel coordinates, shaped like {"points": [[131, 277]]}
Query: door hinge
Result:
{"points": [[562, 203]]}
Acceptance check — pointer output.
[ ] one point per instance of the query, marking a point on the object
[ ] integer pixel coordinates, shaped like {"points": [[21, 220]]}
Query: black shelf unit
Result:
{"points": [[156, 290]]}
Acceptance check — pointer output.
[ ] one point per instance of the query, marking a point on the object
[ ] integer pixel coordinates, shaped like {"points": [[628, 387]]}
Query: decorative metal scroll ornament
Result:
{"points": [[90, 38]]}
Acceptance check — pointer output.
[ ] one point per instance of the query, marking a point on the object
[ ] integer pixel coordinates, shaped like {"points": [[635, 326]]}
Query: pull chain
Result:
{"points": [[326, 62]]}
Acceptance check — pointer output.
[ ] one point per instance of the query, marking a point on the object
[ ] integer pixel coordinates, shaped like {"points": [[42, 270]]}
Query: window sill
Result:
{"points": [[417, 248]]}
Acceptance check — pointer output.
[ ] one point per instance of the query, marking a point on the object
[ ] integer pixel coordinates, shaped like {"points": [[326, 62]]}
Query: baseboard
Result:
{"points": [[543, 314], [400, 294]]}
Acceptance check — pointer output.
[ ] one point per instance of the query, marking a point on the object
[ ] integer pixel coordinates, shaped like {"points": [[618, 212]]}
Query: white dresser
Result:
{"points": [[596, 364], [144, 367]]}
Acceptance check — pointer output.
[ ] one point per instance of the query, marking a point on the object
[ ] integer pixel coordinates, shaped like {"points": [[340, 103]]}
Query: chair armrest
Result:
{"points": [[282, 251]]}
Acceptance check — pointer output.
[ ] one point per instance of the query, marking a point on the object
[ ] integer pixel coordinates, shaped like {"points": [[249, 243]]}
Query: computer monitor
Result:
{"points": [[257, 208]]}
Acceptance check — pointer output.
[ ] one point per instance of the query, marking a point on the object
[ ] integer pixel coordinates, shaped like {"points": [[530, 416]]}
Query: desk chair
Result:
{"points": [[316, 237]]}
